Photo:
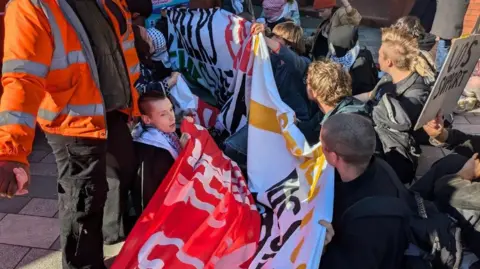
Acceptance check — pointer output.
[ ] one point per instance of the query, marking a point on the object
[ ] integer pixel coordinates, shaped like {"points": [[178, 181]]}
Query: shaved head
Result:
{"points": [[350, 136]]}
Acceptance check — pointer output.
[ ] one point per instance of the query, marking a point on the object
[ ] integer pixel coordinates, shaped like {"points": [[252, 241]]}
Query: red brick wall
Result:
{"points": [[471, 17]]}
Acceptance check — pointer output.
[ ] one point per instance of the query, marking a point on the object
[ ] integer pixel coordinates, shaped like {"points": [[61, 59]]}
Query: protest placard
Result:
{"points": [[453, 78]]}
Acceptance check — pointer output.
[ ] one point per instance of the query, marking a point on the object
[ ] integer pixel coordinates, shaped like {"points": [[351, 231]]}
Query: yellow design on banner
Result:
{"points": [[263, 117], [295, 252]]}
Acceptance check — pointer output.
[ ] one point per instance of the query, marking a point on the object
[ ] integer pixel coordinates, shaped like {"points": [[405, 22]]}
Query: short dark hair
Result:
{"points": [[142, 7], [146, 98], [350, 136], [412, 25]]}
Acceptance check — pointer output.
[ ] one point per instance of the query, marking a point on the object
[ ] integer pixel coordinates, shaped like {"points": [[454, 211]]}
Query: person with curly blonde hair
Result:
{"points": [[400, 97], [330, 87]]}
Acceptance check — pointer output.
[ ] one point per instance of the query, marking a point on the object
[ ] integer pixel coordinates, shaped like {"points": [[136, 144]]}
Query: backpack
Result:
{"points": [[364, 72], [434, 237]]}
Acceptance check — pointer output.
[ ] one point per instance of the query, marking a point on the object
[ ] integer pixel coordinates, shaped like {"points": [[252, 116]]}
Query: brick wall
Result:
{"points": [[471, 17]]}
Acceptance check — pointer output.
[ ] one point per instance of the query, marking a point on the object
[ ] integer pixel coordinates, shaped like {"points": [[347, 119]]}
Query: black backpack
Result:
{"points": [[434, 237], [364, 72]]}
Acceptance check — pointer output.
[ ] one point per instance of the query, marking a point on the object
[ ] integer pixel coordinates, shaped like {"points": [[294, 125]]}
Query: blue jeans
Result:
{"points": [[443, 47]]}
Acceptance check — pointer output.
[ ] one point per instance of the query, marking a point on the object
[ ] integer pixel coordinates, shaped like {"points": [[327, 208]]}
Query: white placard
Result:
{"points": [[453, 78]]}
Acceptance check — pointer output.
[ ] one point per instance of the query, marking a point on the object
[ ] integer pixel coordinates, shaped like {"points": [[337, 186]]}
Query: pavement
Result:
{"points": [[29, 225]]}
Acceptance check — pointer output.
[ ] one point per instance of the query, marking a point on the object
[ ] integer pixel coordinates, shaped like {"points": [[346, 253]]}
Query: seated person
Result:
{"points": [[426, 42], [453, 181], [333, 17], [348, 142], [154, 62], [289, 67], [289, 71], [345, 49], [157, 145], [398, 100], [329, 86]]}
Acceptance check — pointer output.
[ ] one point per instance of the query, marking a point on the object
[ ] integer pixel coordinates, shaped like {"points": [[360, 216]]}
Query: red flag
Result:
{"points": [[202, 215]]}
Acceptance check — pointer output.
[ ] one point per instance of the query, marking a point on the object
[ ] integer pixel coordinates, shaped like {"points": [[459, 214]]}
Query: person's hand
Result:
{"points": [[189, 119], [346, 3], [14, 179], [435, 127], [330, 232], [471, 169], [189, 113], [184, 139], [258, 28], [173, 79]]}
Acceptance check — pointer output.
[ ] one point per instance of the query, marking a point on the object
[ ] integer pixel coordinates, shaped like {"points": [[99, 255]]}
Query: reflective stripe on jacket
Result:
{"points": [[49, 73]]}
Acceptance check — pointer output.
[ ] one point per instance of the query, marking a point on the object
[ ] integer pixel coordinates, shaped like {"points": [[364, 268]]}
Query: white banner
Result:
{"points": [[293, 182]]}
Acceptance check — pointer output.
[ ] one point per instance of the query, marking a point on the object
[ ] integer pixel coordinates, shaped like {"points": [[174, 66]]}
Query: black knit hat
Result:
{"points": [[142, 7]]}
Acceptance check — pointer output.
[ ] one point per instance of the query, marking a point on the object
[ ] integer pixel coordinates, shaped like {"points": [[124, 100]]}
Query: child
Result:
{"points": [[157, 145]]}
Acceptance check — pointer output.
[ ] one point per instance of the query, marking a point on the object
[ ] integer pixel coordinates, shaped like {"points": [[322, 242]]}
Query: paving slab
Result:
{"points": [[43, 169], [56, 244], [10, 255], [41, 259], [460, 120], [13, 205], [429, 155], [43, 187], [50, 158], [2, 215], [467, 128], [29, 231], [473, 119], [37, 155], [40, 207]]}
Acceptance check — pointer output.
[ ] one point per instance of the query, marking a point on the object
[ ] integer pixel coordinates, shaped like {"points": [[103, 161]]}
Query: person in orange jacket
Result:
{"points": [[70, 65]]}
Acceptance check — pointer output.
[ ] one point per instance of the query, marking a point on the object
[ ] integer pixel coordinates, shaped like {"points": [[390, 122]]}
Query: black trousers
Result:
{"points": [[94, 177]]}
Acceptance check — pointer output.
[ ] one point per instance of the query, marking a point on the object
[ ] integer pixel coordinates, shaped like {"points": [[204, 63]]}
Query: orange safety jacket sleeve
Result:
{"points": [[28, 50]]}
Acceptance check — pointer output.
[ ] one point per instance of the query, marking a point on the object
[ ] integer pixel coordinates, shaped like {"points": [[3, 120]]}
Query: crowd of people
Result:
{"points": [[98, 84]]}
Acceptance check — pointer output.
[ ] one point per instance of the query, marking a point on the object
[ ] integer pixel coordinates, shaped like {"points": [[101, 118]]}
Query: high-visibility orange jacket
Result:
{"points": [[49, 73]]}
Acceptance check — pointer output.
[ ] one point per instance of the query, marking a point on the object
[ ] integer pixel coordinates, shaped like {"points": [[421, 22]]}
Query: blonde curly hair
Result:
{"points": [[328, 82]]}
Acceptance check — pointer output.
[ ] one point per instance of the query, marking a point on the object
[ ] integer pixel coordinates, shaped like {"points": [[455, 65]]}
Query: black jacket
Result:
{"points": [[395, 114], [153, 165], [311, 128], [365, 243], [289, 71]]}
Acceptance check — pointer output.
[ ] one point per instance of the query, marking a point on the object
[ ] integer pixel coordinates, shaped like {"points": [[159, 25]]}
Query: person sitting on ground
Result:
{"points": [[329, 86], [157, 145], [398, 100], [333, 17], [289, 71], [454, 181], [348, 142], [426, 42], [345, 49], [155, 73]]}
